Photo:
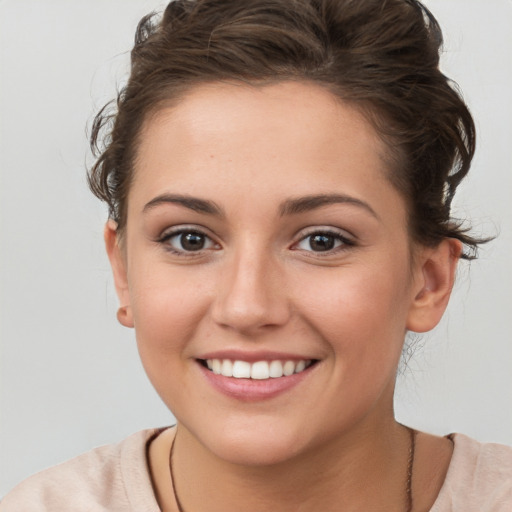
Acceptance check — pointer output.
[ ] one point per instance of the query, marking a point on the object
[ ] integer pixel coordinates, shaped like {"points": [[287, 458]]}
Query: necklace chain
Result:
{"points": [[410, 467], [408, 484], [175, 492]]}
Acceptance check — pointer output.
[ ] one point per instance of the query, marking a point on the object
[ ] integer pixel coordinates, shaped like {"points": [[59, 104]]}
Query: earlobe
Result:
{"points": [[118, 264], [434, 283], [124, 316]]}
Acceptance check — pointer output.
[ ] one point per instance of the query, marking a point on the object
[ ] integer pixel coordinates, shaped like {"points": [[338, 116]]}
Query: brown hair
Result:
{"points": [[380, 55]]}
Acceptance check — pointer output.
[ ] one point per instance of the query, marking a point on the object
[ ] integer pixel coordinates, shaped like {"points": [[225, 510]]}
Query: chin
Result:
{"points": [[255, 452], [260, 442]]}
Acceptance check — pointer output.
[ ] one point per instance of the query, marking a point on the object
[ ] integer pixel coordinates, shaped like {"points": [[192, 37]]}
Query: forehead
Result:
{"points": [[246, 143], [289, 119]]}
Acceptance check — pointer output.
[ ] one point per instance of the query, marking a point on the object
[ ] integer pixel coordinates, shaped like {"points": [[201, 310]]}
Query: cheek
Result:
{"points": [[167, 308], [360, 318], [360, 313], [167, 304]]}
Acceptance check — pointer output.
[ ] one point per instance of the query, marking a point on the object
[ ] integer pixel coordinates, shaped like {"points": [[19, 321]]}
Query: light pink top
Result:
{"points": [[116, 478]]}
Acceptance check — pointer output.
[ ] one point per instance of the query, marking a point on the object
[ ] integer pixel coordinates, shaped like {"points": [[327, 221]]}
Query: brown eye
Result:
{"points": [[323, 241], [192, 241], [188, 241]]}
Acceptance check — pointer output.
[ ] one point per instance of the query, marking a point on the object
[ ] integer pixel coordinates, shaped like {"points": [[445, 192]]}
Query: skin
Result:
{"points": [[330, 442]]}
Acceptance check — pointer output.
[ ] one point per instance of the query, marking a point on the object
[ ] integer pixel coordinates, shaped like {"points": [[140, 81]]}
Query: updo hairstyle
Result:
{"points": [[381, 56]]}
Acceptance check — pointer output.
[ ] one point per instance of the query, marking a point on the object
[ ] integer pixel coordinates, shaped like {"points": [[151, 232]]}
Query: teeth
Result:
{"points": [[227, 368], [241, 370], [216, 366], [289, 368], [260, 370], [301, 365], [276, 369]]}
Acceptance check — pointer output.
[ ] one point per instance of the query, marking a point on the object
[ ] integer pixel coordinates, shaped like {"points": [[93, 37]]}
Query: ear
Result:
{"points": [[435, 275], [118, 263]]}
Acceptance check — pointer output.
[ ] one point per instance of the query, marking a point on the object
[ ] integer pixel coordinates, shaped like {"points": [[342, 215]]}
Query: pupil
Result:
{"points": [[321, 242], [192, 241]]}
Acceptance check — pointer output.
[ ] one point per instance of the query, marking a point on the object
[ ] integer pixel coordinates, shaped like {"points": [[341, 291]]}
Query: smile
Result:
{"points": [[259, 370]]}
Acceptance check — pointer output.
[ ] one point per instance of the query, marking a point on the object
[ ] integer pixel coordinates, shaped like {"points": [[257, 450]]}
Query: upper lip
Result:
{"points": [[254, 356]]}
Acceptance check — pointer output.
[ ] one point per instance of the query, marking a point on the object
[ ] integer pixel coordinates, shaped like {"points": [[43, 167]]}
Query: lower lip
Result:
{"points": [[251, 390]]}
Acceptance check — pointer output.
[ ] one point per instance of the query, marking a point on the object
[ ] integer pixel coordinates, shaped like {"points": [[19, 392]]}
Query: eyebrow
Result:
{"points": [[308, 203], [192, 203], [289, 207]]}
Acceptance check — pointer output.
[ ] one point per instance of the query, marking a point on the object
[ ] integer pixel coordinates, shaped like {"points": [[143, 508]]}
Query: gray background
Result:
{"points": [[70, 376]]}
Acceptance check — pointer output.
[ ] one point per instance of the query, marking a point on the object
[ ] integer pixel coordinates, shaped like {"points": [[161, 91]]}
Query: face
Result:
{"points": [[264, 241]]}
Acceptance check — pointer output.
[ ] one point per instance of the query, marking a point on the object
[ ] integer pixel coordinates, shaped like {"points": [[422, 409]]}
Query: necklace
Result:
{"points": [[408, 483], [176, 499], [410, 467]]}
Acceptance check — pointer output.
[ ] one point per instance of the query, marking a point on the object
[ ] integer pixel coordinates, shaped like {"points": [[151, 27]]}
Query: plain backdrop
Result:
{"points": [[70, 375]]}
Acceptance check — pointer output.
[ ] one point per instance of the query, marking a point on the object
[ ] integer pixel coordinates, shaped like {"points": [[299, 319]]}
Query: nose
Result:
{"points": [[251, 296]]}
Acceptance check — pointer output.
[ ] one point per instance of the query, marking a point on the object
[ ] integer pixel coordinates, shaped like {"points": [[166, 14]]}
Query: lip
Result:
{"points": [[253, 357], [251, 390]]}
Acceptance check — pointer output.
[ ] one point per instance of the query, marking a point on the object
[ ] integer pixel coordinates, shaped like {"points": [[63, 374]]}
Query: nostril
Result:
{"points": [[250, 296], [247, 316]]}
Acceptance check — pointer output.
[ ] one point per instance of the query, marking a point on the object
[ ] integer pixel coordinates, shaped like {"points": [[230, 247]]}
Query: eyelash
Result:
{"points": [[169, 235], [343, 242]]}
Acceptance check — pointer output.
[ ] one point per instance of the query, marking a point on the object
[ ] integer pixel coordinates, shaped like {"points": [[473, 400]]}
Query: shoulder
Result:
{"points": [[479, 478], [113, 477]]}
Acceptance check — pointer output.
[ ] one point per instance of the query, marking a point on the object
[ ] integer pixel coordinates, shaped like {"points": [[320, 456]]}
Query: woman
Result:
{"points": [[279, 176]]}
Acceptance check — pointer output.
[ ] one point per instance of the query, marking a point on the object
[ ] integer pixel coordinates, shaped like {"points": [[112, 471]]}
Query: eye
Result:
{"points": [[323, 241], [187, 240]]}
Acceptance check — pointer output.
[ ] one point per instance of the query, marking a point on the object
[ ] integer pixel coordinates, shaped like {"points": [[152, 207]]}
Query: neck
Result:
{"points": [[364, 469]]}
